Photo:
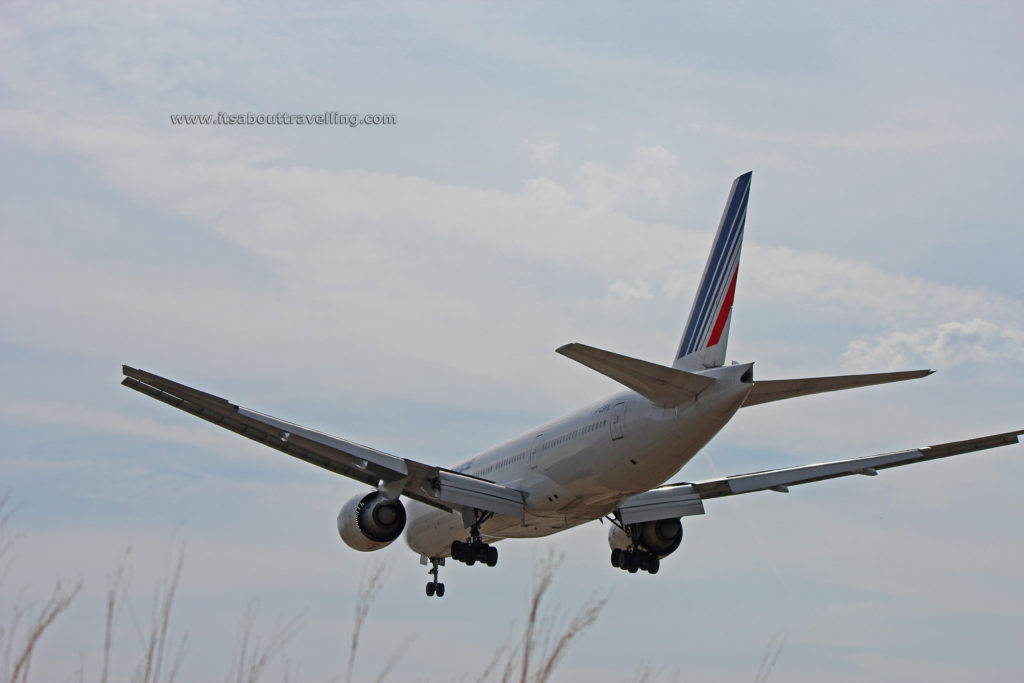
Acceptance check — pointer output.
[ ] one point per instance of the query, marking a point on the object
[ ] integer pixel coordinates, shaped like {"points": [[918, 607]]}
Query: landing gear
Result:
{"points": [[435, 587], [636, 559], [476, 550], [639, 547]]}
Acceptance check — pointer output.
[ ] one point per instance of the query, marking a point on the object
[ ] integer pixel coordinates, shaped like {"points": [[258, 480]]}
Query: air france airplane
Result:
{"points": [[609, 459]]}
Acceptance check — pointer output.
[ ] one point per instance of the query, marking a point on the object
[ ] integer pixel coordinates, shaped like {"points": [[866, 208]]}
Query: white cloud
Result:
{"points": [[362, 258], [943, 346], [625, 291], [543, 152], [346, 246], [60, 414], [649, 175], [846, 289]]}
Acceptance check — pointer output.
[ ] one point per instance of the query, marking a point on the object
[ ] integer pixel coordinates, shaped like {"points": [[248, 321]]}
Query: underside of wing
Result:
{"points": [[766, 391], [393, 475], [678, 500]]}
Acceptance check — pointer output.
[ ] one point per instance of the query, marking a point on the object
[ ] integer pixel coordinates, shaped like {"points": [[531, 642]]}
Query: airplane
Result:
{"points": [[607, 460]]}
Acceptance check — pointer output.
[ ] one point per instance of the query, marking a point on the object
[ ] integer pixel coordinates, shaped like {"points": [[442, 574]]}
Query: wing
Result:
{"points": [[680, 500], [392, 475]]}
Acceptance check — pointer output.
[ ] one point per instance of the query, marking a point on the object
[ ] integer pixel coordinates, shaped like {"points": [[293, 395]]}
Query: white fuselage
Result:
{"points": [[581, 466]]}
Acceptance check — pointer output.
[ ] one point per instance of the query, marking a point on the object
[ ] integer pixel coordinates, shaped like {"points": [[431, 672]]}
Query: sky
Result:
{"points": [[556, 174]]}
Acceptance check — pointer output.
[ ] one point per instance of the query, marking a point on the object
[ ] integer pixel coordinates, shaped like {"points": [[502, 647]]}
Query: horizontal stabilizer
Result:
{"points": [[663, 386], [779, 389]]}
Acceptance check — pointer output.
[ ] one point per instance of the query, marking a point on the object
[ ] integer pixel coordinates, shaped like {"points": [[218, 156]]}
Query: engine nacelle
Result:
{"points": [[618, 539], [370, 521], [661, 536]]}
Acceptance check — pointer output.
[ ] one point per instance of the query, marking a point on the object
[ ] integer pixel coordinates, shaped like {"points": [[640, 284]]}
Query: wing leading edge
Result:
{"points": [[680, 500], [391, 474]]}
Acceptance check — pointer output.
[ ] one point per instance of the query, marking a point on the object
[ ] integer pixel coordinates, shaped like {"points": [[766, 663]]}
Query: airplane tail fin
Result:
{"points": [[707, 329]]}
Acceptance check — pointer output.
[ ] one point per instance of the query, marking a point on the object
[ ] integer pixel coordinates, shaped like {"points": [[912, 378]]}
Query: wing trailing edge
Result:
{"points": [[436, 486], [683, 499]]}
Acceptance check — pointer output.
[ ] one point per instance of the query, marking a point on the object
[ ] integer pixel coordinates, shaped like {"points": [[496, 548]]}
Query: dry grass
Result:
{"points": [[254, 654], [369, 587], [776, 642], [21, 635], [532, 658], [157, 638], [546, 637], [18, 659]]}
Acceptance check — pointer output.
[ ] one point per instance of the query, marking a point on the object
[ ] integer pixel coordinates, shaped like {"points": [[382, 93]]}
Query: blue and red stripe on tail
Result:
{"points": [[707, 330]]}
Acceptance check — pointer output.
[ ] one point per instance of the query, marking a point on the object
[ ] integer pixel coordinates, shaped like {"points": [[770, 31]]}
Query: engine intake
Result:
{"points": [[371, 521]]}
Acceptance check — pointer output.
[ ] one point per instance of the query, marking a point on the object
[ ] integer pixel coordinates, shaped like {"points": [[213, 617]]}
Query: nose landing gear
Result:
{"points": [[468, 552], [435, 587]]}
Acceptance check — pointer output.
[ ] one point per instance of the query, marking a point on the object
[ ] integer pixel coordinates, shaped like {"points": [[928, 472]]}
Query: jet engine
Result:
{"points": [[371, 521], [661, 537]]}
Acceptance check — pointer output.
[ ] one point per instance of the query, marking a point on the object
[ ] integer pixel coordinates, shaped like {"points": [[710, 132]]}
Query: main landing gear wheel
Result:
{"points": [[475, 551], [635, 559]]}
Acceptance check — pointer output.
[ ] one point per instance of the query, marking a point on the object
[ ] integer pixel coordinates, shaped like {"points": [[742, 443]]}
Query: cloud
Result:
{"points": [[847, 289], [651, 172], [59, 414], [945, 345], [361, 258], [625, 291], [543, 152]]}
